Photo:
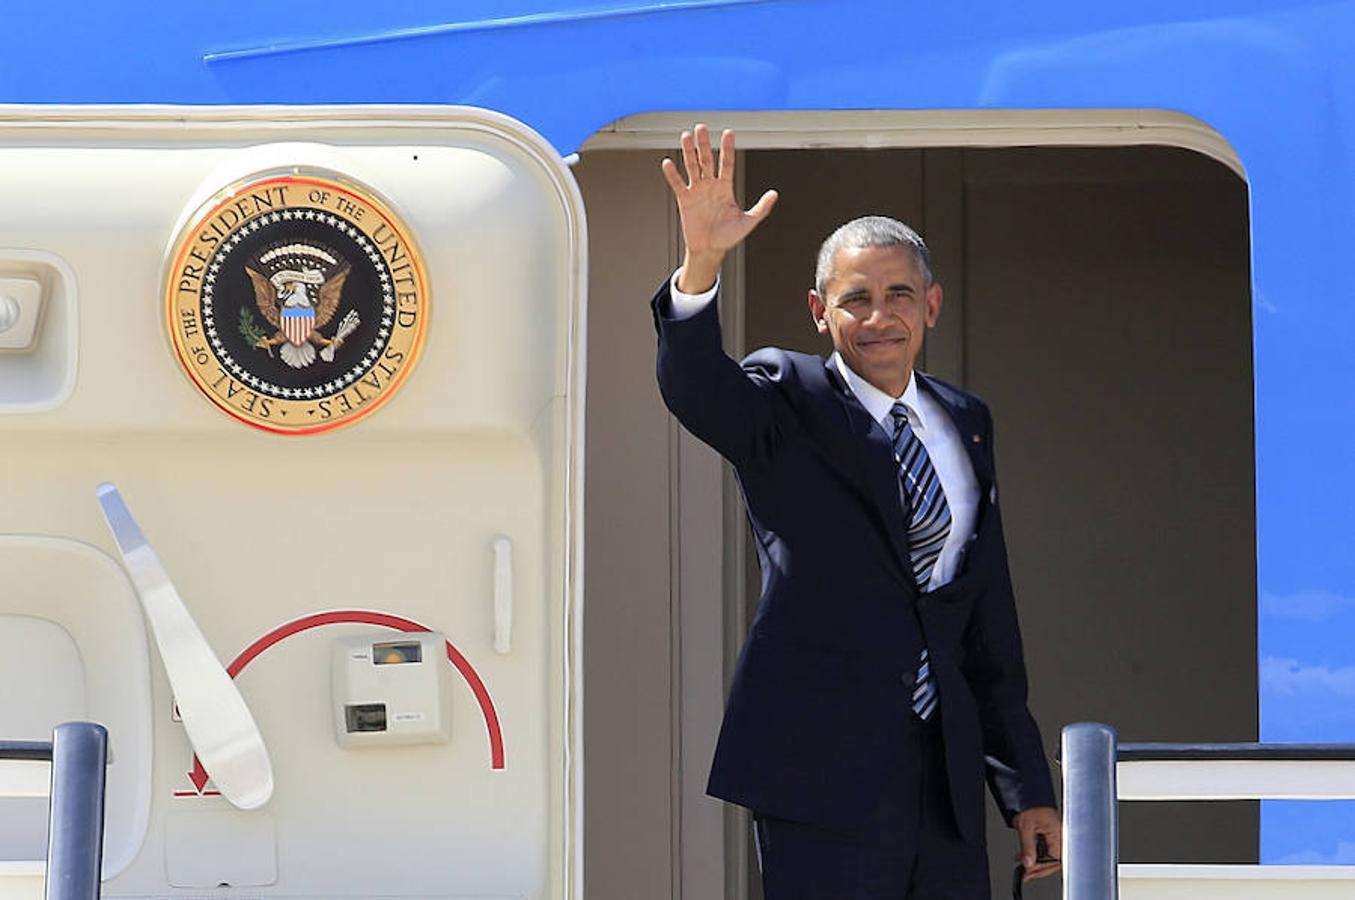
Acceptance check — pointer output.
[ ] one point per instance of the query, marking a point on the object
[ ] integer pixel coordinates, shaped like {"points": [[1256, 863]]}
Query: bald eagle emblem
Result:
{"points": [[297, 287]]}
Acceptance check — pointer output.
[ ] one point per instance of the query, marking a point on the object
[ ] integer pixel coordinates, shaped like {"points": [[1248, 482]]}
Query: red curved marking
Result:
{"points": [[399, 623]]}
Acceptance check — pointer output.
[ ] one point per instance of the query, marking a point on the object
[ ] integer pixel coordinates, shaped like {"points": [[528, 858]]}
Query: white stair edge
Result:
{"points": [[1234, 872], [25, 778], [1188, 779]]}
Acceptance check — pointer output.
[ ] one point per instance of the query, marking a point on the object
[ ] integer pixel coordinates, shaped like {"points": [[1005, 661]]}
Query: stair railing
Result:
{"points": [[78, 753], [1098, 772]]}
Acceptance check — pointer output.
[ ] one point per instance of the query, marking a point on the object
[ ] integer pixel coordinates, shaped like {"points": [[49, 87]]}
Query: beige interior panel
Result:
{"points": [[1108, 304], [628, 664], [655, 621]]}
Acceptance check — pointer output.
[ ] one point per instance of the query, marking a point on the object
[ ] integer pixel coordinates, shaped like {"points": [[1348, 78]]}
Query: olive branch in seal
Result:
{"points": [[249, 330]]}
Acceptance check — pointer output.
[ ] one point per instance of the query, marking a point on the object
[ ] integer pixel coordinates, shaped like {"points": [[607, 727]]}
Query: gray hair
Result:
{"points": [[870, 231]]}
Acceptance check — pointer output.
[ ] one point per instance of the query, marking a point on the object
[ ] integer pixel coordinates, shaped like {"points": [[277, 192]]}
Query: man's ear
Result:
{"points": [[818, 311], [934, 299]]}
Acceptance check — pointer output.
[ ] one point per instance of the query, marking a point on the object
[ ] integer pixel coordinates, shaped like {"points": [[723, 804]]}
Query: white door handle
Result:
{"points": [[503, 595], [219, 724]]}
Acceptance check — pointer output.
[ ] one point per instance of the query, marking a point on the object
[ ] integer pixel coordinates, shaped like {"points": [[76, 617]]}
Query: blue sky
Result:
{"points": [[1307, 684]]}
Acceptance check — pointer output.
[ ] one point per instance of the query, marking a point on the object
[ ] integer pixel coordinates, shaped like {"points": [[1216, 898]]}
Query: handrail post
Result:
{"points": [[1091, 822], [76, 829]]}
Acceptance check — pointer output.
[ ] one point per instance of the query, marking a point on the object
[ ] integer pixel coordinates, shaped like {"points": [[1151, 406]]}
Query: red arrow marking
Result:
{"points": [[385, 620], [199, 775]]}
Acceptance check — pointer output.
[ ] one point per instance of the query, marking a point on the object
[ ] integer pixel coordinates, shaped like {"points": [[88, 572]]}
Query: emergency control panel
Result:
{"points": [[390, 692]]}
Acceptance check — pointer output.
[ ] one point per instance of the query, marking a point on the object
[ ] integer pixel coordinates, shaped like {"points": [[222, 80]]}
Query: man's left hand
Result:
{"points": [[1035, 821]]}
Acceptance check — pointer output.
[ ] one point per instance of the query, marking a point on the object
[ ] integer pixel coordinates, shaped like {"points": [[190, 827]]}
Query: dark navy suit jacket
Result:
{"points": [[814, 723]]}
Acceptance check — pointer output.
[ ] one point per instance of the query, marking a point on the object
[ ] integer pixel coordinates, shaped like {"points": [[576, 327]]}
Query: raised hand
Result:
{"points": [[712, 222]]}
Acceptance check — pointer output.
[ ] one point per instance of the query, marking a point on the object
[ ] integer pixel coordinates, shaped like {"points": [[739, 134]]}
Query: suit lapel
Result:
{"points": [[859, 448], [866, 456]]}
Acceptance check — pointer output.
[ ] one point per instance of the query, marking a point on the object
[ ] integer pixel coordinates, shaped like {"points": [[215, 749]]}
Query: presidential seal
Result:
{"points": [[296, 303]]}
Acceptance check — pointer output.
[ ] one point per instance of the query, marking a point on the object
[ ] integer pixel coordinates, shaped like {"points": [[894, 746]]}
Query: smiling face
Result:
{"points": [[877, 305]]}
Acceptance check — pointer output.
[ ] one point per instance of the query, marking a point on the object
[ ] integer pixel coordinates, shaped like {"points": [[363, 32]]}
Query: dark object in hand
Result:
{"points": [[1041, 857]]}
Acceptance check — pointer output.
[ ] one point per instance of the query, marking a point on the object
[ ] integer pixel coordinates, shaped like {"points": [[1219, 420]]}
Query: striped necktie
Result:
{"points": [[928, 528]]}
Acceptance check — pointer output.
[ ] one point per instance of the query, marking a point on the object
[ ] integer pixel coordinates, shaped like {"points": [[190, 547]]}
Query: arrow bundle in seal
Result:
{"points": [[218, 722]]}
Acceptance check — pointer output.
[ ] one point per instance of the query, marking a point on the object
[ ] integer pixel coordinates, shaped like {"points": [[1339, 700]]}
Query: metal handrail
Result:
{"points": [[1091, 816], [78, 753], [27, 751], [1090, 755]]}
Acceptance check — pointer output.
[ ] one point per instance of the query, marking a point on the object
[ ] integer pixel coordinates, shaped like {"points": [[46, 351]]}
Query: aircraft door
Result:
{"points": [[330, 359]]}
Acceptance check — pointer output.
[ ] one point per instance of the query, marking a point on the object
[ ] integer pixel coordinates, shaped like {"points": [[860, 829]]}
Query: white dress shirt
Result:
{"points": [[930, 422]]}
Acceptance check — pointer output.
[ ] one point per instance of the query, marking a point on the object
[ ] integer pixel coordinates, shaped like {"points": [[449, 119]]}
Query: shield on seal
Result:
{"points": [[297, 324]]}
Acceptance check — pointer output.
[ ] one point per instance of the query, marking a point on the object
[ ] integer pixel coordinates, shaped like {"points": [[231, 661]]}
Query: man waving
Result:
{"points": [[883, 678]]}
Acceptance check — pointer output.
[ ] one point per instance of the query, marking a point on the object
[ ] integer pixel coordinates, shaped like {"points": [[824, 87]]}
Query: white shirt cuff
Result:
{"points": [[687, 305]]}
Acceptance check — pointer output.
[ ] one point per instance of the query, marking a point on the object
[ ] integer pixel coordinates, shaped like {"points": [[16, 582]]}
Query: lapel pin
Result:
{"points": [[976, 438]]}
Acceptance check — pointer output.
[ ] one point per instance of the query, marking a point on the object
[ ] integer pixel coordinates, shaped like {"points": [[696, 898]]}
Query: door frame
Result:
{"points": [[696, 502]]}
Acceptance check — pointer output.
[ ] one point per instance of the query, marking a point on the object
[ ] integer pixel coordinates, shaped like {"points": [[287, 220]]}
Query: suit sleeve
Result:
{"points": [[736, 409], [1017, 769]]}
